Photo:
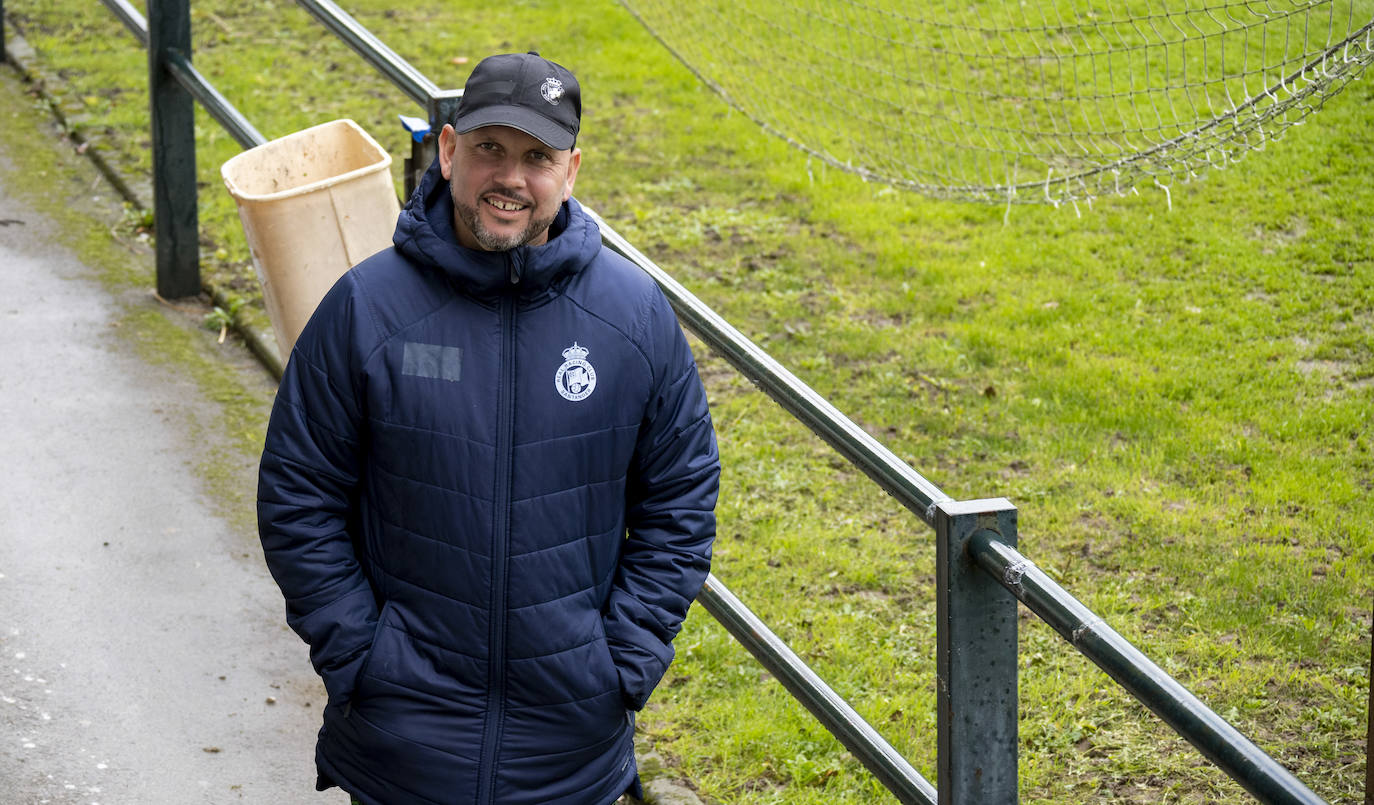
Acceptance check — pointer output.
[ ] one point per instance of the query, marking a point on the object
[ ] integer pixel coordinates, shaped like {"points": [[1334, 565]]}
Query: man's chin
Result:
{"points": [[508, 236], [497, 238], [501, 238]]}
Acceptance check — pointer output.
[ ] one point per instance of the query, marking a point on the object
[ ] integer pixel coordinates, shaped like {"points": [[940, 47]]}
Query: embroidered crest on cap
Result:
{"points": [[576, 379], [552, 90]]}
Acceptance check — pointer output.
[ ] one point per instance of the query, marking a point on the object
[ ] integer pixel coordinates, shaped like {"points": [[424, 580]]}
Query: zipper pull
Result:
{"points": [[514, 269]]}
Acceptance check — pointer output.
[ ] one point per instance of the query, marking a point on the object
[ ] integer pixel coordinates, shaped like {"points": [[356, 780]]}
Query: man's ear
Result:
{"points": [[448, 141], [574, 162]]}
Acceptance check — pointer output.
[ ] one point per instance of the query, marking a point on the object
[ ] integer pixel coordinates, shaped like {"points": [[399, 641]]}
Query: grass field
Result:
{"points": [[1175, 392], [966, 100]]}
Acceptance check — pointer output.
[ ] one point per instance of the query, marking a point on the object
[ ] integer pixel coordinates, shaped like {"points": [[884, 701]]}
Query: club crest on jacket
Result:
{"points": [[576, 379]]}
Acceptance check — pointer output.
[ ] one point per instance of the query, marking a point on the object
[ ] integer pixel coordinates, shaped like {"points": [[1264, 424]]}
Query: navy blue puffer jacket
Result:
{"points": [[487, 495]]}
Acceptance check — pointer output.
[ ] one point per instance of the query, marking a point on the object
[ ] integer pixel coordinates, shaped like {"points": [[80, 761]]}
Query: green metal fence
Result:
{"points": [[979, 573]]}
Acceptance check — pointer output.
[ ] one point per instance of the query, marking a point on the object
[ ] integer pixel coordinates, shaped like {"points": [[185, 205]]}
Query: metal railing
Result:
{"points": [[979, 573]]}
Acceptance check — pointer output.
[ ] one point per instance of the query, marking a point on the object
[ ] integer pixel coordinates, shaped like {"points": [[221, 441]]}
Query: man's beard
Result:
{"points": [[491, 241]]}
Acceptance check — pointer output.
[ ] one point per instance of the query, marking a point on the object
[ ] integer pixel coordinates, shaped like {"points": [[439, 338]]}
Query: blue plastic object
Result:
{"points": [[417, 126]]}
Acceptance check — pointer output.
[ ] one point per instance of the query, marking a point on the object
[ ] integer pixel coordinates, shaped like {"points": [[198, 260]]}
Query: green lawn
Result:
{"points": [[965, 99], [1174, 391]]}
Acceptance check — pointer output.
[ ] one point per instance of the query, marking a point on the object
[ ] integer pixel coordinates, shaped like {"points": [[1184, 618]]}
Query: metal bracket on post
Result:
{"points": [[442, 105], [172, 111], [976, 660]]}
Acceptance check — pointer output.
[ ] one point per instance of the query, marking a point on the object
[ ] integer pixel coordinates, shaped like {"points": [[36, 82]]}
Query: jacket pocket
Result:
{"points": [[358, 687], [608, 672]]}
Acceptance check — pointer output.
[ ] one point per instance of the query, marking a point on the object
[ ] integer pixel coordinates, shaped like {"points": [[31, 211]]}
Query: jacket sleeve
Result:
{"points": [[307, 485], [670, 515]]}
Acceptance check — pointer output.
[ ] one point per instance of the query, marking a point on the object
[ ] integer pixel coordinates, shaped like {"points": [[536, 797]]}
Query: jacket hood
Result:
{"points": [[424, 233]]}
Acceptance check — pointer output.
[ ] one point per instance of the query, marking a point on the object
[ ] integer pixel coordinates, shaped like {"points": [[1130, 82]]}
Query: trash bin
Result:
{"points": [[313, 204]]}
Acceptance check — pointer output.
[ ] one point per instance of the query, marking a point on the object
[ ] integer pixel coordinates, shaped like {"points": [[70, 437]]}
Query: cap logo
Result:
{"points": [[552, 90]]}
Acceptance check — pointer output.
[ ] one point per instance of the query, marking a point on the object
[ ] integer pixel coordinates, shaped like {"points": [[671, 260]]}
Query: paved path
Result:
{"points": [[143, 658]]}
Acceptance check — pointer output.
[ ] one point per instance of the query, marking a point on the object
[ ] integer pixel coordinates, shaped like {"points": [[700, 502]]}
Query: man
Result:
{"points": [[488, 486]]}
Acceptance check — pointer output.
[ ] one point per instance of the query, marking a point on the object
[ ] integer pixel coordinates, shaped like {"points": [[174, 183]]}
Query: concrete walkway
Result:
{"points": [[143, 656]]}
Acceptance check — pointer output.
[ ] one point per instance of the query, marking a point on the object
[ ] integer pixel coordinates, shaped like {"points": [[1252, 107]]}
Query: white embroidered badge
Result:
{"points": [[576, 379], [552, 90]]}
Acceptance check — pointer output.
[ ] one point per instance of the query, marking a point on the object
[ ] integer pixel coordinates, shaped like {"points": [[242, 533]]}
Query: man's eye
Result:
{"points": [[540, 156]]}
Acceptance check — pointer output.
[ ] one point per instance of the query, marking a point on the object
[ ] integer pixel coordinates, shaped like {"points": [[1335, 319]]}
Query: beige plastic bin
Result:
{"points": [[313, 204]]}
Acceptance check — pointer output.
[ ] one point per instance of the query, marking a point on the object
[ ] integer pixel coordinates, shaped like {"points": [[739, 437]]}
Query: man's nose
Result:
{"points": [[510, 172]]}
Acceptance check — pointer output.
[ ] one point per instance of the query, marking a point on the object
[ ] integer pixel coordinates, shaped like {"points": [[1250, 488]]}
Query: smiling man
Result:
{"points": [[488, 486], [511, 161]]}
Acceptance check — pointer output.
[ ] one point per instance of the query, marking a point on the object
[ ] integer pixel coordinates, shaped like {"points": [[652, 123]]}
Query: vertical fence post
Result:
{"points": [[441, 106], [172, 111], [421, 154], [976, 660]]}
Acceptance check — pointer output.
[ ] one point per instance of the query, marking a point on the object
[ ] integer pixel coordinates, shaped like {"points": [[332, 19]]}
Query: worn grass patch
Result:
{"points": [[1176, 397]]}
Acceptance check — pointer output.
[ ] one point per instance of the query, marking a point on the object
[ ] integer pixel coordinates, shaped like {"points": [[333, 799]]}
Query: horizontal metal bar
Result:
{"points": [[191, 80], [895, 476], [410, 80], [132, 19], [219, 108], [862, 741], [1218, 741]]}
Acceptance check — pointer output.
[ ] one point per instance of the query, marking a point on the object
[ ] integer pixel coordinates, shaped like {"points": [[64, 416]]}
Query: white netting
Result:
{"points": [[1040, 100]]}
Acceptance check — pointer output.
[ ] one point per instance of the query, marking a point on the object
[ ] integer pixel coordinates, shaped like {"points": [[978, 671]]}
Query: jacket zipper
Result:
{"points": [[496, 662]]}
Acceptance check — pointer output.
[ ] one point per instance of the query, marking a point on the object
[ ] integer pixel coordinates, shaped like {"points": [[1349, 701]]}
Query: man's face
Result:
{"points": [[507, 186]]}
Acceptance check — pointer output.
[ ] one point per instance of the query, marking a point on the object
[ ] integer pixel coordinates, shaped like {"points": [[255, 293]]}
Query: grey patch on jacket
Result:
{"points": [[432, 360]]}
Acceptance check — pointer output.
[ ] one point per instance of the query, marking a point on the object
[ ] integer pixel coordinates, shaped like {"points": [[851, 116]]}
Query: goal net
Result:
{"points": [[1020, 101]]}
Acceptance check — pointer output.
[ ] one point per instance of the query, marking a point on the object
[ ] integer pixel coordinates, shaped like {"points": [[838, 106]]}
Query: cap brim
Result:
{"points": [[517, 117]]}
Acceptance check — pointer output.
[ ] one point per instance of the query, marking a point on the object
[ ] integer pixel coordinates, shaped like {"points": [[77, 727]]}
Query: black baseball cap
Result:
{"points": [[524, 91]]}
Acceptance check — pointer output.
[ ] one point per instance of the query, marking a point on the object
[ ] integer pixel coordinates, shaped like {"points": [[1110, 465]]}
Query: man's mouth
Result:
{"points": [[505, 206]]}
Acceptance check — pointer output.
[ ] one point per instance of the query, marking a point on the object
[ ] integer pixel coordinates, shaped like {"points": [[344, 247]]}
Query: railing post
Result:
{"points": [[422, 153], [976, 660], [172, 111], [441, 106]]}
